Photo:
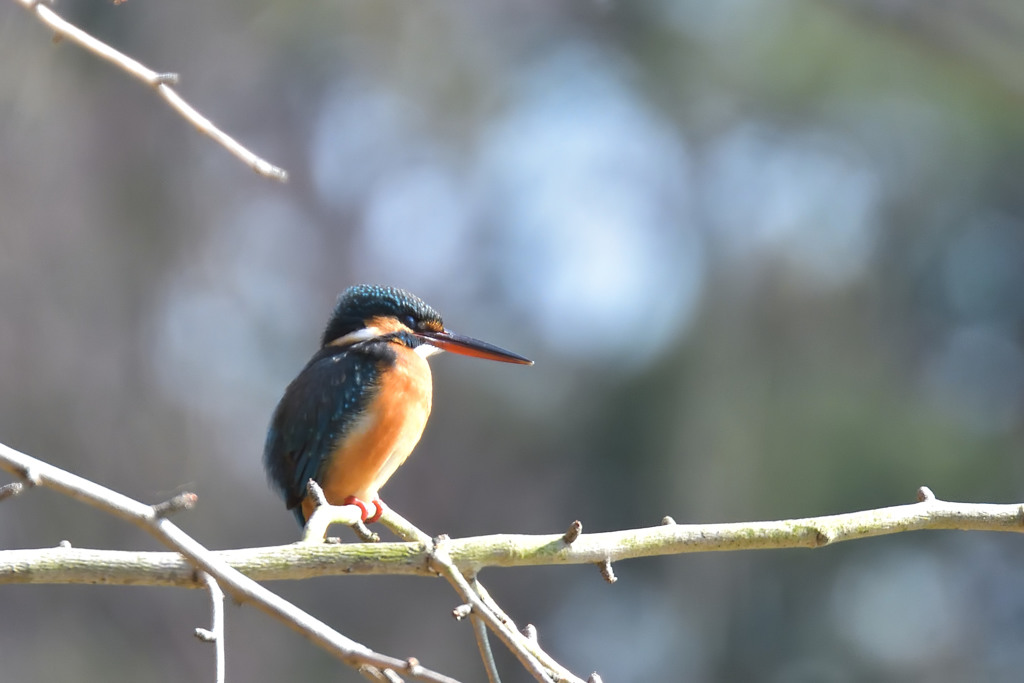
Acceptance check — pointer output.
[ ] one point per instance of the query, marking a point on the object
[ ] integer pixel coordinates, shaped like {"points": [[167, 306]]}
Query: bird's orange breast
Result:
{"points": [[385, 434]]}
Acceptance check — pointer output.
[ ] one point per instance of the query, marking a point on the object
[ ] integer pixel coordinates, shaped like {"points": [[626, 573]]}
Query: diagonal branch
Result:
{"points": [[538, 663], [160, 81], [242, 588], [441, 561], [525, 640], [482, 607]]}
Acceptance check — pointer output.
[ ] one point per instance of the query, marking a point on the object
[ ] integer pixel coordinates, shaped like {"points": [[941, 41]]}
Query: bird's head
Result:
{"points": [[366, 312]]}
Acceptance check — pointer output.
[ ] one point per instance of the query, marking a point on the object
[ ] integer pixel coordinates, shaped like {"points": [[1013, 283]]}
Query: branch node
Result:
{"points": [[822, 538], [168, 78], [31, 477], [371, 673], [924, 494], [667, 521], [412, 665], [607, 573], [573, 532], [64, 544], [462, 611], [182, 501], [316, 493], [364, 533], [206, 635], [530, 631], [595, 678]]}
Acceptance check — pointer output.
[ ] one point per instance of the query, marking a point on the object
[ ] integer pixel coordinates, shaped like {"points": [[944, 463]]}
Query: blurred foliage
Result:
{"points": [[767, 256]]}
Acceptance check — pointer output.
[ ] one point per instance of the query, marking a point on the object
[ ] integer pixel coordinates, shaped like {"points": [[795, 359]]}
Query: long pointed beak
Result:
{"points": [[467, 346]]}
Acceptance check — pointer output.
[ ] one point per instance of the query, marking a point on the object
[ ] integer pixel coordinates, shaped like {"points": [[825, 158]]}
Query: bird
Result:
{"points": [[355, 412]]}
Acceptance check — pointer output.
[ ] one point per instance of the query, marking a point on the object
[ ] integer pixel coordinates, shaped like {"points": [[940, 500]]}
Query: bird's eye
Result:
{"points": [[409, 321]]}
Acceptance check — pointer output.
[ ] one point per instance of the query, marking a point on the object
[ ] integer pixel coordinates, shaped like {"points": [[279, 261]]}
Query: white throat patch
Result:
{"points": [[426, 350]]}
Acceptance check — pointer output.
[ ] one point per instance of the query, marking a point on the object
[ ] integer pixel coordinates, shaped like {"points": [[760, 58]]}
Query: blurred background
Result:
{"points": [[768, 257]]}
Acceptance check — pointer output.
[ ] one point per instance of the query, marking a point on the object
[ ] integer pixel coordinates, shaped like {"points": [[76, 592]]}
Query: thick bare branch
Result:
{"points": [[301, 561]]}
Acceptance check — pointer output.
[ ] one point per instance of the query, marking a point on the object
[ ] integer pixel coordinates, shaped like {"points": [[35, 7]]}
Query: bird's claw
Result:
{"points": [[365, 509]]}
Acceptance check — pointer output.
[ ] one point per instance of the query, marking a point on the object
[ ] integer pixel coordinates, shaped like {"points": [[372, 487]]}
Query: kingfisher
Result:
{"points": [[357, 409]]}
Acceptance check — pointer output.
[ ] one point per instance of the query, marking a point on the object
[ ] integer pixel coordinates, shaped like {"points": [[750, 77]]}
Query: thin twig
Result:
{"points": [[215, 634], [179, 503], [242, 588], [161, 82], [483, 642], [405, 529], [529, 641], [13, 489]]}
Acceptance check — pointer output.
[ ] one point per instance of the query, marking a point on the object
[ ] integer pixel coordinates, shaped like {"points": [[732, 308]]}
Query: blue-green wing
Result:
{"points": [[318, 407]]}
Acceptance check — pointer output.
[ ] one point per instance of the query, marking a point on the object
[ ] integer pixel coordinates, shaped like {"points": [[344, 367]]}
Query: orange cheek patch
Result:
{"points": [[386, 325]]}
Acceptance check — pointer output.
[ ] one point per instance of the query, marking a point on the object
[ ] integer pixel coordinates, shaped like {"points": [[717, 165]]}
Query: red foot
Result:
{"points": [[365, 511], [379, 505]]}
